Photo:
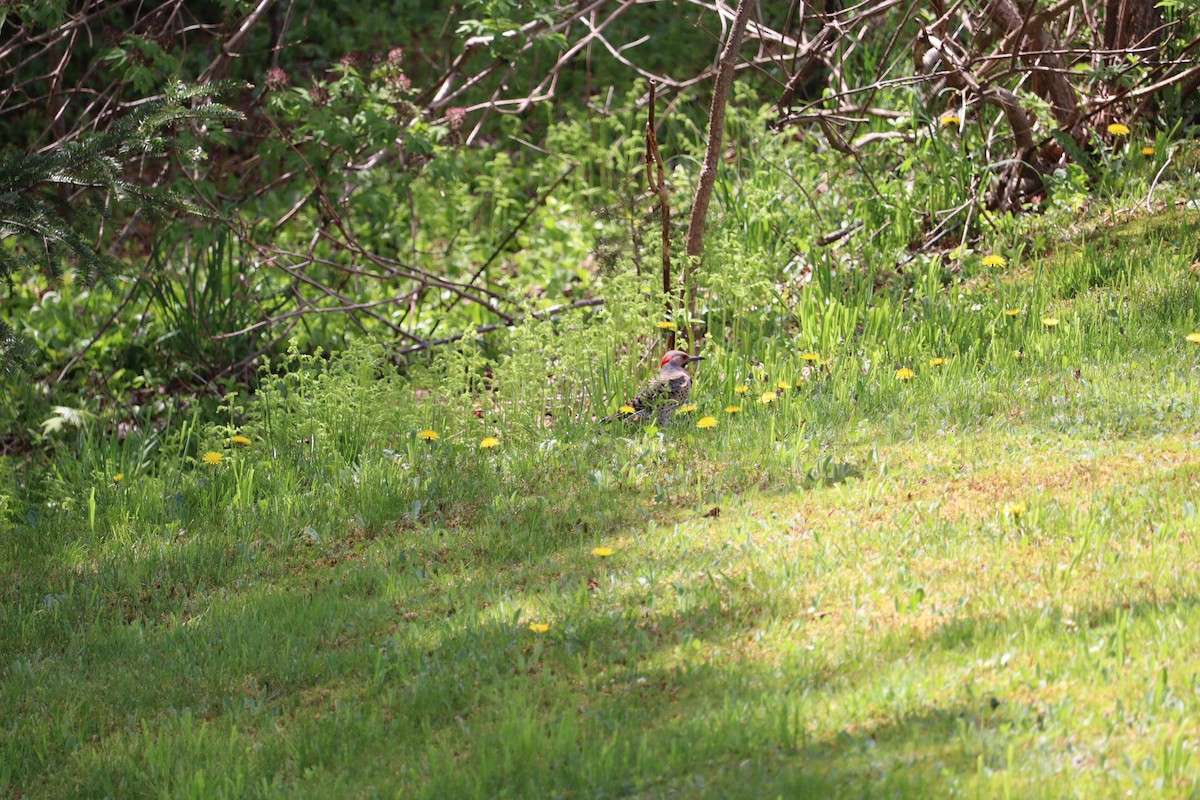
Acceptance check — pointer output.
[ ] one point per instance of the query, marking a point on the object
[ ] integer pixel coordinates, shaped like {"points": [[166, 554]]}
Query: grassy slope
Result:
{"points": [[867, 615]]}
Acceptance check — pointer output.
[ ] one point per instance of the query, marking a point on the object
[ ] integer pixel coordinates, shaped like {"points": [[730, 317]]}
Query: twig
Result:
{"points": [[1157, 177], [227, 51], [595, 301], [103, 328], [836, 236], [517, 228], [657, 184]]}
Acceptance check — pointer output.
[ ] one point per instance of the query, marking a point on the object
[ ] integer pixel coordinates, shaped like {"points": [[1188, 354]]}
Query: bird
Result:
{"points": [[663, 393]]}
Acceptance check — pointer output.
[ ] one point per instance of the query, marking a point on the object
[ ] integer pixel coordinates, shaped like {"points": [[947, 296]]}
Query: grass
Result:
{"points": [[894, 633], [977, 582]]}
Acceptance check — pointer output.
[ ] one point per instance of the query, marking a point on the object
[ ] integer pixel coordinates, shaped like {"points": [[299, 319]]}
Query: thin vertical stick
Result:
{"points": [[656, 180], [712, 156]]}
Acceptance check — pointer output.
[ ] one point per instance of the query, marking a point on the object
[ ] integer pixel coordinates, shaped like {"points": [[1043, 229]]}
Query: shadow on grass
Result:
{"points": [[399, 665], [369, 678]]}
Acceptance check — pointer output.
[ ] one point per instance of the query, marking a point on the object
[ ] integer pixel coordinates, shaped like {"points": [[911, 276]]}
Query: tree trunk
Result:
{"points": [[712, 159], [1131, 23], [1047, 70]]}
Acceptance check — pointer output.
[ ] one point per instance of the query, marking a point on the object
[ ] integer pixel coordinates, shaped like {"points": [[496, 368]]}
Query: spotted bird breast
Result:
{"points": [[679, 386]]}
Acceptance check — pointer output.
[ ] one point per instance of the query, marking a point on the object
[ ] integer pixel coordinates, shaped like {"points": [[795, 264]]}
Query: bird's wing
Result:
{"points": [[653, 393]]}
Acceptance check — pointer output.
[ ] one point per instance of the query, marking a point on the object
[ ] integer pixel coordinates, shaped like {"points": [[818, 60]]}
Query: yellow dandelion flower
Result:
{"points": [[689, 408], [212, 457], [732, 409], [783, 386], [810, 357], [937, 361], [1014, 509], [1049, 322], [666, 325], [707, 422], [603, 552], [627, 409], [1148, 150], [995, 260], [539, 627], [1194, 338], [489, 441], [1012, 312], [120, 476], [1118, 129], [239, 439], [428, 435], [905, 374], [767, 397], [951, 120], [741, 389]]}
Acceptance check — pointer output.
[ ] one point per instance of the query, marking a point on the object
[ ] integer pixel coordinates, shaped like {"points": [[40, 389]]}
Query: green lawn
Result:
{"points": [[980, 582]]}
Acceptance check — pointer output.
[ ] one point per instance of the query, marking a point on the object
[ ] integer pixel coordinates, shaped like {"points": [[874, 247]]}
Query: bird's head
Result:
{"points": [[679, 358]]}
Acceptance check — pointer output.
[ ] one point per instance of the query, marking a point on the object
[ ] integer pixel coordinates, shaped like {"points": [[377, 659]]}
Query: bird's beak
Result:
{"points": [[695, 358]]}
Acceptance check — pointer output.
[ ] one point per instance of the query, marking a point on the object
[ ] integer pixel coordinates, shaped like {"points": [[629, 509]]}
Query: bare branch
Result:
{"points": [[712, 156], [716, 131], [543, 314], [657, 183], [228, 50]]}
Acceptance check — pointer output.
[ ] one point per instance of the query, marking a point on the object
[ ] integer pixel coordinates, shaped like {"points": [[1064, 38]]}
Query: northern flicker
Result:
{"points": [[663, 393]]}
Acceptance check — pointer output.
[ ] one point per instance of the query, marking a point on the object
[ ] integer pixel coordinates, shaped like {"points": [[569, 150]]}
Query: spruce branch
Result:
{"points": [[53, 202]]}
